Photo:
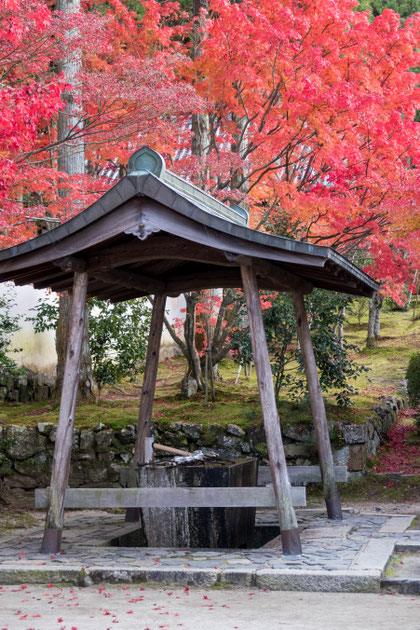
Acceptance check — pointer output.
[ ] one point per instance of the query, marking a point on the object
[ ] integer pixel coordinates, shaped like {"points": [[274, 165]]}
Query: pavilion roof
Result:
{"points": [[154, 231]]}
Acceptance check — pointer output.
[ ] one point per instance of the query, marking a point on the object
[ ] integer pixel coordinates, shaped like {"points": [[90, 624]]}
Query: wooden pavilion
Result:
{"points": [[155, 233]]}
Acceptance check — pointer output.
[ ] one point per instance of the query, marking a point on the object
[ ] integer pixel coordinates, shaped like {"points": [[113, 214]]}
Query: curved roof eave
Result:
{"points": [[148, 185]]}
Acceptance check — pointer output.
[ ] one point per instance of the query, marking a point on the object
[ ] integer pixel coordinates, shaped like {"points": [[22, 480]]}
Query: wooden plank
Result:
{"points": [[302, 474], [169, 497], [281, 484], [331, 495], [63, 443]]}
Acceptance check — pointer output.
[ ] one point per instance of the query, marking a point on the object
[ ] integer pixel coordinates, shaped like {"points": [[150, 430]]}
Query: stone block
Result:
{"points": [[357, 457], [76, 439], [42, 392], [210, 434], [297, 450], [229, 444], [256, 435], [107, 457], [84, 456], [6, 466], [21, 481], [104, 439], [44, 428], [245, 447], [13, 395], [127, 434], [234, 429], [189, 387], [355, 433], [38, 467], [373, 444], [23, 442], [318, 581], [97, 473], [297, 432], [87, 440], [24, 395], [193, 431], [341, 456], [196, 527]]}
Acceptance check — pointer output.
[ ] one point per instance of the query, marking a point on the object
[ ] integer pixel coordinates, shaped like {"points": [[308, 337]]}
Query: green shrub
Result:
{"points": [[413, 380]]}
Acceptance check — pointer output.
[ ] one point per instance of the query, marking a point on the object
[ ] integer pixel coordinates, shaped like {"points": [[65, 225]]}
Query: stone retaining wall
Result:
{"points": [[26, 452], [25, 387]]}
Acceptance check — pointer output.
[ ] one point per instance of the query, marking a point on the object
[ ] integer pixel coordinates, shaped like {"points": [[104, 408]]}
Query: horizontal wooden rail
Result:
{"points": [[169, 497], [301, 474]]}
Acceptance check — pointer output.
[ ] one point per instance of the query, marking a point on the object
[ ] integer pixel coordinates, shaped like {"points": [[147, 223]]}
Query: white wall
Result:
{"points": [[38, 350]]}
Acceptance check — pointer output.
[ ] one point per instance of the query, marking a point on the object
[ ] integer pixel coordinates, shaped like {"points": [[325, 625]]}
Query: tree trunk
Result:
{"points": [[410, 295], [194, 365], [85, 391], [375, 305], [340, 326], [71, 160]]}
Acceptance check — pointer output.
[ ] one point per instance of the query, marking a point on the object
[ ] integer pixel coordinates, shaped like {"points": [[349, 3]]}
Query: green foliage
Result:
{"points": [[336, 369], [280, 330], [405, 8], [118, 339], [117, 336], [413, 379], [325, 312], [8, 325]]}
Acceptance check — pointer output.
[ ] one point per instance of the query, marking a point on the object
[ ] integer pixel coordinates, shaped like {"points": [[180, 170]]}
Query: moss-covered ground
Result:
{"points": [[239, 404], [373, 488]]}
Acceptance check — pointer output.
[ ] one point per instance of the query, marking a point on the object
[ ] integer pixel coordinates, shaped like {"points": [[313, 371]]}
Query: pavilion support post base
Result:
{"points": [[334, 512], [51, 543], [132, 515], [290, 542]]}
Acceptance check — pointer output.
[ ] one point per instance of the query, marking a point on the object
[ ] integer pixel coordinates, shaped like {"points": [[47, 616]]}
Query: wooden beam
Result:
{"points": [[148, 390], [62, 452], [137, 498], [282, 488], [155, 248], [277, 275], [71, 263], [130, 280], [301, 474], [332, 497]]}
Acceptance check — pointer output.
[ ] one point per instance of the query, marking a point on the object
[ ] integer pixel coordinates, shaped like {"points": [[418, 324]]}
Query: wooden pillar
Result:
{"points": [[62, 452], [141, 454], [332, 498], [288, 525]]}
